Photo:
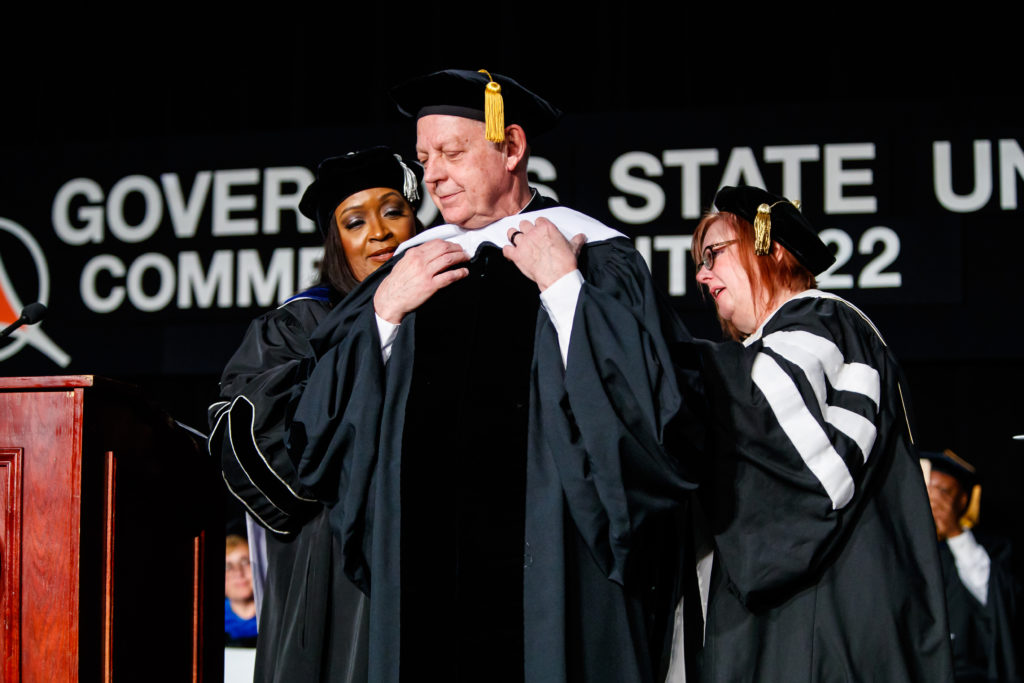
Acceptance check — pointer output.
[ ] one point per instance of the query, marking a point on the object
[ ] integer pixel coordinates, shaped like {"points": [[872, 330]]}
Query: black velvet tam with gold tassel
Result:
{"points": [[779, 219], [497, 100]]}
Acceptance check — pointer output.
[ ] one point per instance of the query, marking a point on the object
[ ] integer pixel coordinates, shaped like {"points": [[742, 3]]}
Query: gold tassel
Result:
{"points": [[494, 111], [973, 511], [763, 230], [763, 227]]}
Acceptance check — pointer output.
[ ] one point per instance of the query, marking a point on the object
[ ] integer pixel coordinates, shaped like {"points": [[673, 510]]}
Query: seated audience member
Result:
{"points": [[981, 593], [239, 604]]}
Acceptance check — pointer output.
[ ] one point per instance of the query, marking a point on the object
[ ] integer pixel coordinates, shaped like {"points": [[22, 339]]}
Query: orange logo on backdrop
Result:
{"points": [[7, 313], [11, 305]]}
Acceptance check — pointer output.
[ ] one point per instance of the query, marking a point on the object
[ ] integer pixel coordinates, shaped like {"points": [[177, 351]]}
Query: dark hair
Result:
{"points": [[767, 275], [335, 271]]}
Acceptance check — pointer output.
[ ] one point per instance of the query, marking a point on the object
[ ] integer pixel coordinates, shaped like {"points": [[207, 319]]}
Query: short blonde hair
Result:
{"points": [[232, 541]]}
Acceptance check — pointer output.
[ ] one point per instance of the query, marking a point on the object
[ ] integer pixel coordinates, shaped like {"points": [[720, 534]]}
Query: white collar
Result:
{"points": [[570, 223], [817, 293]]}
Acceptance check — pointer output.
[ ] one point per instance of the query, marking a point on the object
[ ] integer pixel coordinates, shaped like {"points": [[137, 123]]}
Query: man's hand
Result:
{"points": [[414, 279], [541, 253]]}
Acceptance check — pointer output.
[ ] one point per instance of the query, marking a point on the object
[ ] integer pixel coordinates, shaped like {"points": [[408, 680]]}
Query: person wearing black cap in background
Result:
{"points": [[313, 621], [508, 505], [825, 565], [981, 593]]}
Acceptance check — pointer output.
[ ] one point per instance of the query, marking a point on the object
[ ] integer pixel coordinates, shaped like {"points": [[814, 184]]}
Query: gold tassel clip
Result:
{"points": [[763, 227], [494, 111], [763, 230], [973, 511]]}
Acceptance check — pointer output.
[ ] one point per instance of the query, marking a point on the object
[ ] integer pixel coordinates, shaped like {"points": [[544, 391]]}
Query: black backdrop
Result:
{"points": [[167, 138]]}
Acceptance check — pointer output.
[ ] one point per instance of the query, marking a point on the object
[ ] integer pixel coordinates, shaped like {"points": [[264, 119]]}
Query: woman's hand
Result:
{"points": [[414, 279], [541, 253]]}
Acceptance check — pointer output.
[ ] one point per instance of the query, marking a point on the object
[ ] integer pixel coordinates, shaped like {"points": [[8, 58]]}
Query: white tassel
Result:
{"points": [[410, 187]]}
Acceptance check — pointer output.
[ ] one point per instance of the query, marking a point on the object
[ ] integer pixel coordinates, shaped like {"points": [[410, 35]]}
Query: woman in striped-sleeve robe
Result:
{"points": [[825, 565]]}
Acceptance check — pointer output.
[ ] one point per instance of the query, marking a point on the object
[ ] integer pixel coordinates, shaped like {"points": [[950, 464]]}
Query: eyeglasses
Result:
{"points": [[240, 566], [711, 251]]}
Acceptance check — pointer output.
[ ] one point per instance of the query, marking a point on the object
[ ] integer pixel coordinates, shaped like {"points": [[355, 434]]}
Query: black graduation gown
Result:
{"points": [[314, 621], [826, 566], [982, 636], [482, 440]]}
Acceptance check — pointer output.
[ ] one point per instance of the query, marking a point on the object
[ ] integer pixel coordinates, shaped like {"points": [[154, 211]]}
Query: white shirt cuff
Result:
{"points": [[559, 300], [972, 564], [388, 332]]}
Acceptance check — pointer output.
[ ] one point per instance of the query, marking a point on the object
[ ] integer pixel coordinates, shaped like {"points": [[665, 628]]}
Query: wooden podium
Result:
{"points": [[111, 535]]}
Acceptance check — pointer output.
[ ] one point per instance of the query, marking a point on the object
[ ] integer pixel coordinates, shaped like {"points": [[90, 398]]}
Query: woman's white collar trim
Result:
{"points": [[817, 293]]}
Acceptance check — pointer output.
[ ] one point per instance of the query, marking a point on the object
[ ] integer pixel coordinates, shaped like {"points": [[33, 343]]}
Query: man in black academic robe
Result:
{"points": [[496, 458], [985, 634], [982, 594]]}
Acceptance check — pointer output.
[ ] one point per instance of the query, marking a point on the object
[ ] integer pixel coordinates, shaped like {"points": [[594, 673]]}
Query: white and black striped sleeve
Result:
{"points": [[832, 428], [799, 416]]}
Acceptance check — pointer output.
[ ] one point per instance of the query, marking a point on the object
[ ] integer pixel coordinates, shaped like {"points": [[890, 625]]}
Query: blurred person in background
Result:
{"points": [[981, 593], [239, 605]]}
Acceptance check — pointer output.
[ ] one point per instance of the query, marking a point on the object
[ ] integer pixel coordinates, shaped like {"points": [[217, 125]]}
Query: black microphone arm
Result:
{"points": [[30, 315]]}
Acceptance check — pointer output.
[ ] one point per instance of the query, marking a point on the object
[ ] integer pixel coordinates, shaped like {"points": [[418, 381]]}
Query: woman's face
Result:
{"points": [[372, 223], [727, 281], [238, 574]]}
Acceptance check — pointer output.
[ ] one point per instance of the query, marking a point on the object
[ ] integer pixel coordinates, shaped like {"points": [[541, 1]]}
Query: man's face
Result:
{"points": [[238, 574], [466, 175], [946, 486], [948, 501]]}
